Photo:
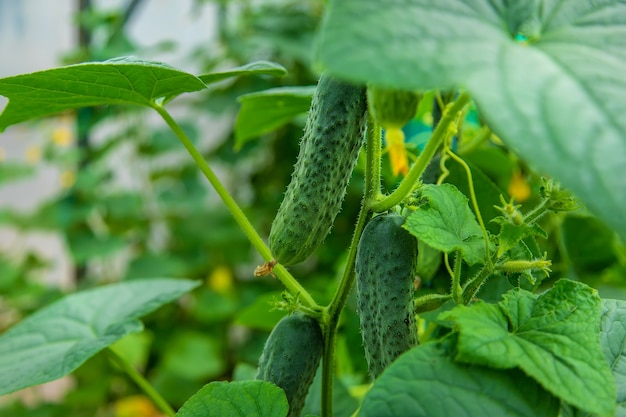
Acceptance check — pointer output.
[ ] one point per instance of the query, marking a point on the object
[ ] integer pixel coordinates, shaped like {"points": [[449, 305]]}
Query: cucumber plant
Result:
{"points": [[498, 334]]}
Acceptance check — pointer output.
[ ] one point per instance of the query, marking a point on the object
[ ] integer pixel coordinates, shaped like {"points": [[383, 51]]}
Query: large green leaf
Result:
{"points": [[553, 337], [57, 339], [126, 80], [613, 339], [447, 224], [236, 399], [546, 75], [267, 110], [426, 382]]}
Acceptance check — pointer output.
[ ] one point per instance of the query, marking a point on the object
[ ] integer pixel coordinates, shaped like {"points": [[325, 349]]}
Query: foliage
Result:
{"points": [[499, 332]]}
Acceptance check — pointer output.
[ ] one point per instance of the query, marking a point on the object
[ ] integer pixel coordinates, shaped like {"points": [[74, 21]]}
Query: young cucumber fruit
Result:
{"points": [[385, 271], [291, 356], [333, 135], [392, 108]]}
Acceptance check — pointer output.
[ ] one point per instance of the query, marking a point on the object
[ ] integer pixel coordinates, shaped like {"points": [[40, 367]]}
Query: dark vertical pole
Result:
{"points": [[83, 127]]}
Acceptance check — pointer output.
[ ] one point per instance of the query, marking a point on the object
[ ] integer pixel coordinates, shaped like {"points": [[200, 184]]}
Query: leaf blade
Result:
{"points": [[57, 339], [552, 337], [556, 99], [252, 68], [126, 80], [236, 399], [425, 381]]}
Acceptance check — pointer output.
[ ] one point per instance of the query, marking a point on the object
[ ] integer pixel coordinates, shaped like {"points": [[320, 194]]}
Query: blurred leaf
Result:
{"points": [[265, 111], [164, 140], [446, 223], [125, 80], [57, 339], [134, 348], [426, 382], [213, 307], [154, 264], [193, 355], [558, 327], [253, 68], [557, 66], [11, 171], [236, 399], [589, 243], [85, 245], [259, 314]]}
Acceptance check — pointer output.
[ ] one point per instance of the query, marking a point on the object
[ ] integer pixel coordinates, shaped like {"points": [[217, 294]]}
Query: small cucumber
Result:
{"points": [[333, 136], [392, 108], [291, 356], [385, 271]]}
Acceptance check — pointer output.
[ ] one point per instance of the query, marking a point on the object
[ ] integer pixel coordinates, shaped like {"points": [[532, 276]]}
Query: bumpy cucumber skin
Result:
{"points": [[392, 108], [386, 261], [333, 135], [291, 356]]}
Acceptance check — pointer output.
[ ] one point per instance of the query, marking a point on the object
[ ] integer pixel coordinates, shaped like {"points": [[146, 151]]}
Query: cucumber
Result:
{"points": [[385, 272], [391, 108], [291, 356], [333, 136]]}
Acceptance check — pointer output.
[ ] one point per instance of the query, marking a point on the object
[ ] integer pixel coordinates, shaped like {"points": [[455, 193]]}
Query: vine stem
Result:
{"points": [[333, 311], [407, 184], [141, 382], [283, 275]]}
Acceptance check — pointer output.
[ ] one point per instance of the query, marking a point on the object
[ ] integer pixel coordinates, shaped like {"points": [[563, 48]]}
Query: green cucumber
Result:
{"points": [[291, 356], [333, 136], [385, 272], [391, 108]]}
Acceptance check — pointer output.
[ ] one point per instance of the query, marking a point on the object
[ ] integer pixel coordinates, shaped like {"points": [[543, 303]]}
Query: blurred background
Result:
{"points": [[107, 194]]}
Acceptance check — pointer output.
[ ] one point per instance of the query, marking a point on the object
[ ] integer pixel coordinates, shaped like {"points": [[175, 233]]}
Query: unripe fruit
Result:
{"points": [[385, 271], [333, 136]]}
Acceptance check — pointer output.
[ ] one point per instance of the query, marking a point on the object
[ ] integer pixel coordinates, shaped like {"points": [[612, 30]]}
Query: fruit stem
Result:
{"points": [[283, 275], [416, 171]]}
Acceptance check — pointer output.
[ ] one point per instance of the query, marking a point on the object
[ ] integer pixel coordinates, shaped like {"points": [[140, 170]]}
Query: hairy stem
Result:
{"points": [[283, 275], [141, 382], [457, 291]]}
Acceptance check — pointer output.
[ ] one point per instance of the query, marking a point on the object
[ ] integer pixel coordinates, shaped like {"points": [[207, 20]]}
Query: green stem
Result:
{"points": [[283, 275], [472, 286], [479, 217], [333, 311], [373, 158], [537, 212], [141, 382], [457, 291], [407, 184]]}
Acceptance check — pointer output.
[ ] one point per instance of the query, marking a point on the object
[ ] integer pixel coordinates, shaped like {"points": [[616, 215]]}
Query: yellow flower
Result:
{"points": [[68, 178], [397, 151], [33, 154], [63, 136], [221, 280], [135, 406], [519, 188]]}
